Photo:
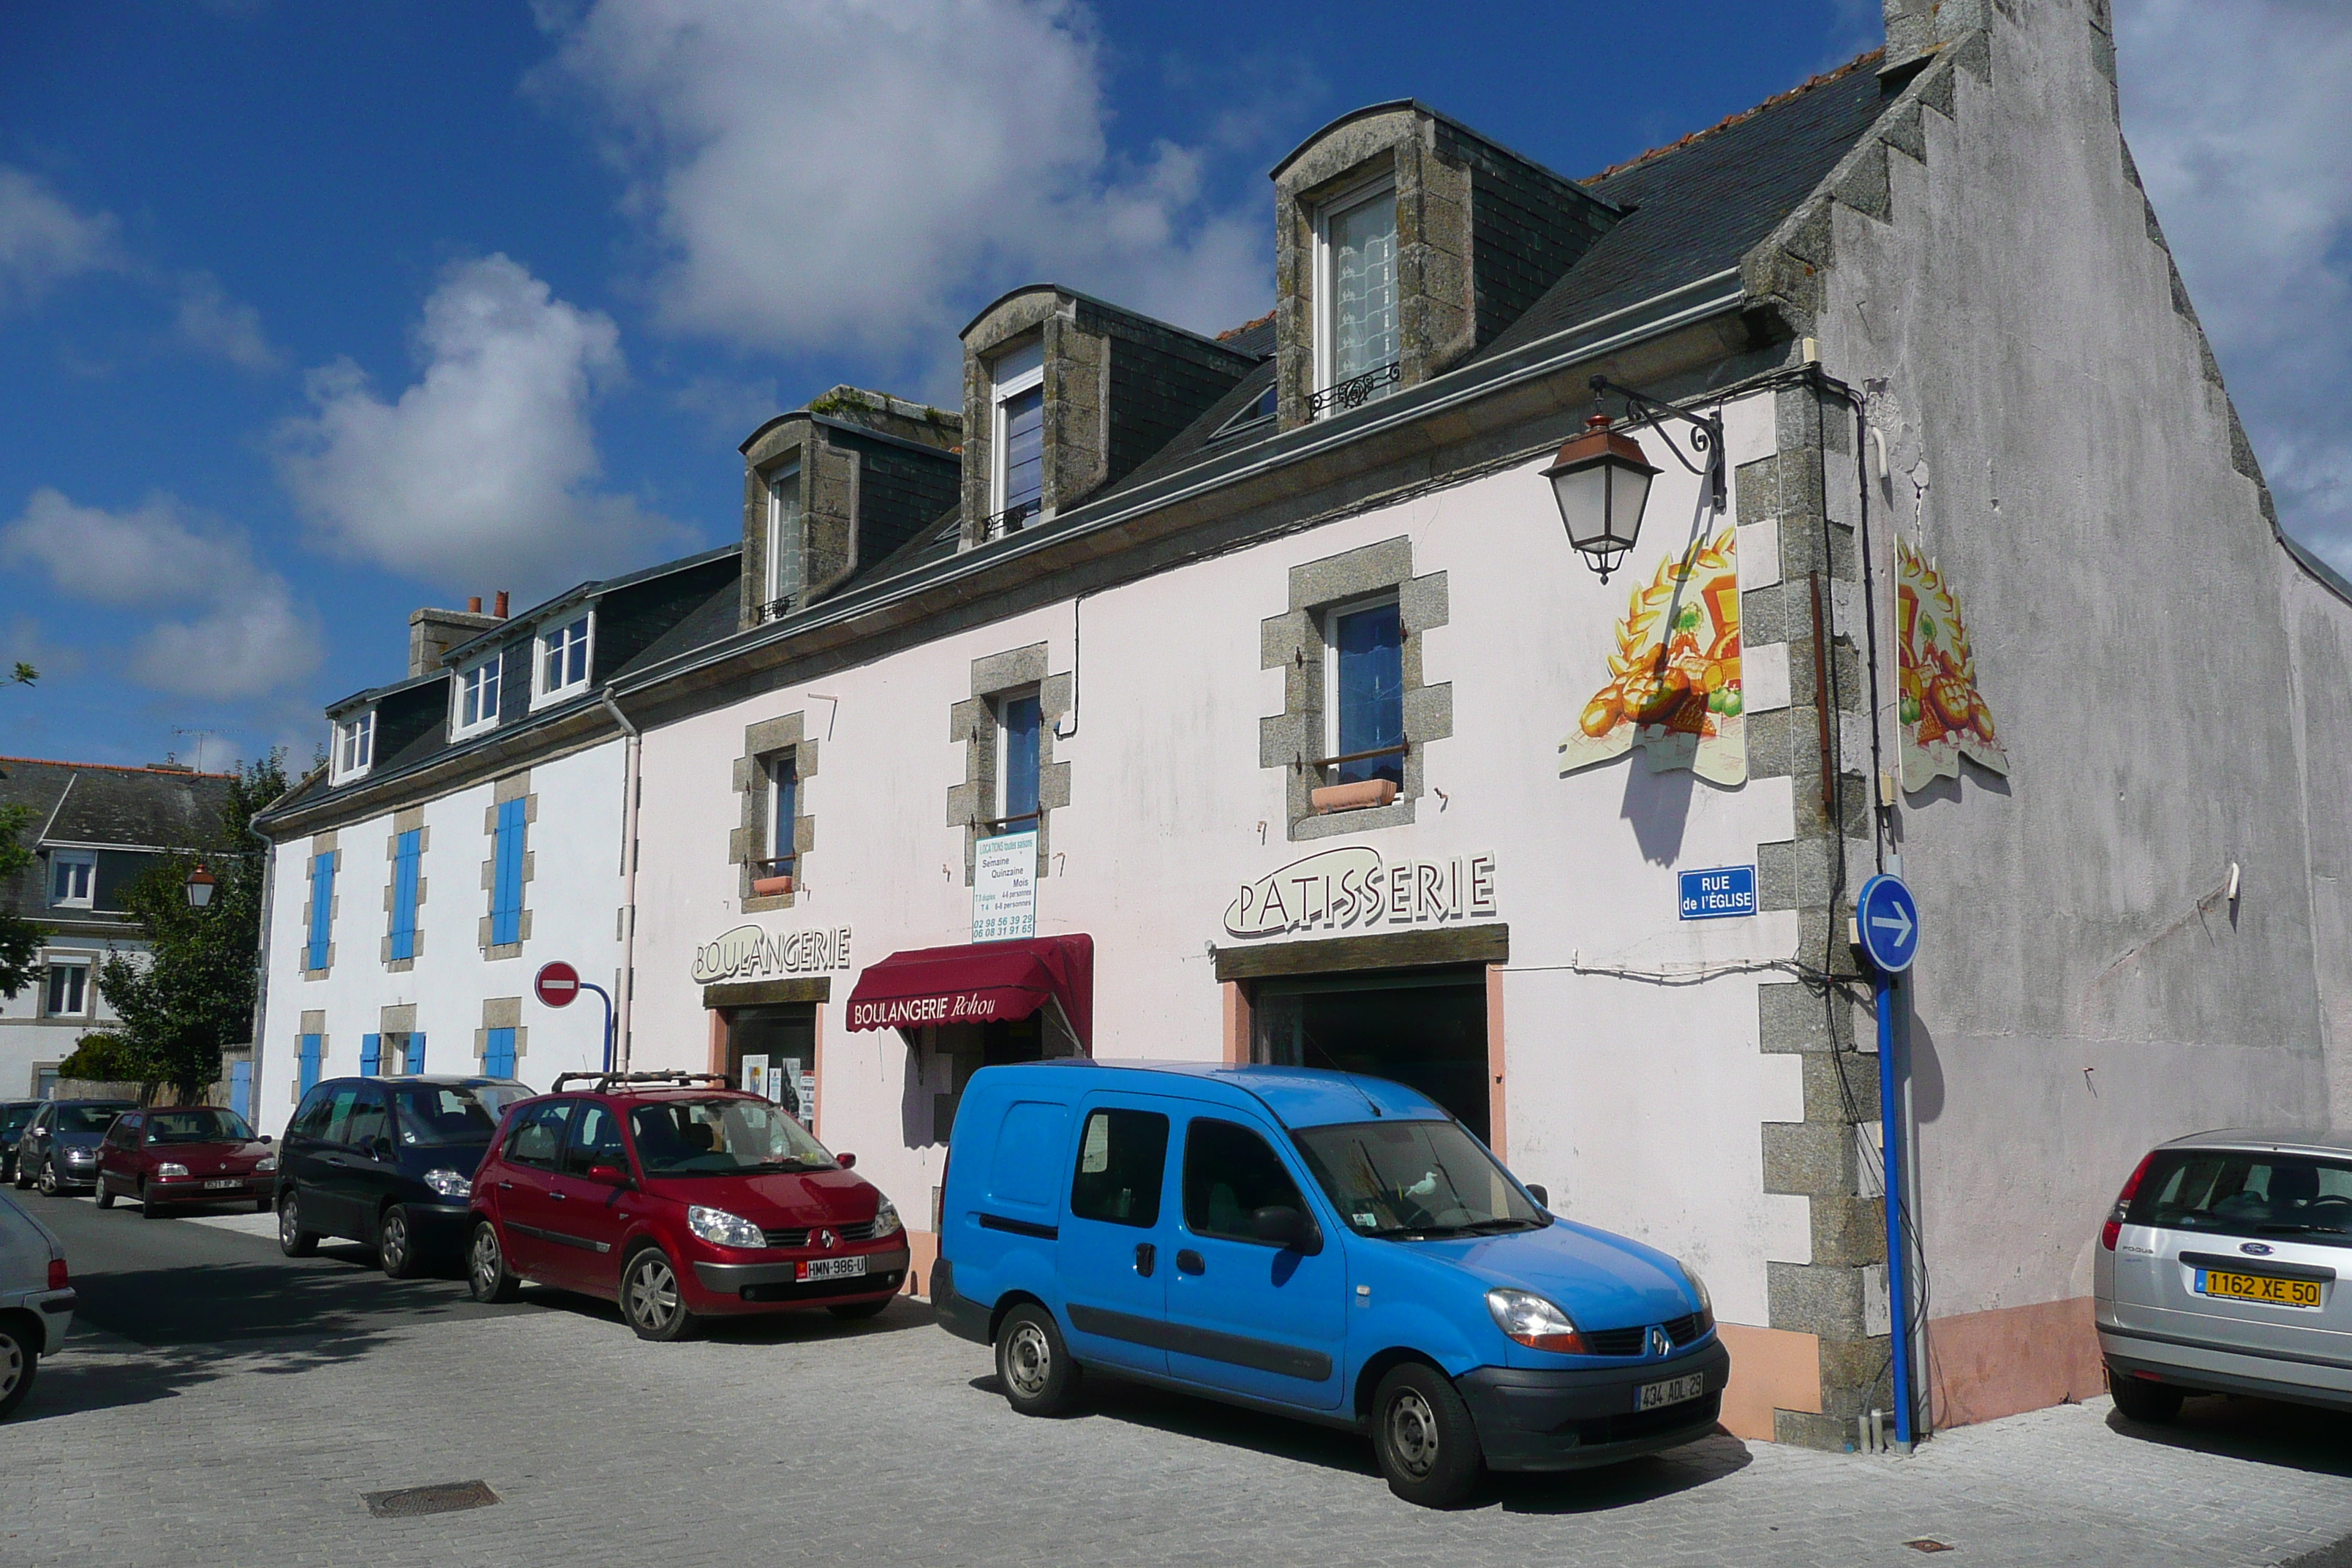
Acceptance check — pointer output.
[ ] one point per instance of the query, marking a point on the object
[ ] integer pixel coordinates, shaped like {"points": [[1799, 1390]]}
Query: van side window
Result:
{"points": [[538, 1135], [1230, 1174], [310, 1119], [368, 1122], [1122, 1161], [338, 1111]]}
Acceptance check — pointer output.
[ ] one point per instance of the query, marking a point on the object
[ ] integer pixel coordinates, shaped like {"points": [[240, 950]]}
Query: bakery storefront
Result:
{"points": [[1344, 960], [765, 994]]}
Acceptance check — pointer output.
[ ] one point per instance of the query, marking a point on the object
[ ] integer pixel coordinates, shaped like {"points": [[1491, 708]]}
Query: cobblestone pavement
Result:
{"points": [[804, 1440]]}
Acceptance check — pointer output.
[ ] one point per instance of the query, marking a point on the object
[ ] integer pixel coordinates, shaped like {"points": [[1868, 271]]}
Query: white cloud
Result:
{"points": [[236, 630], [2236, 118], [44, 241], [209, 321], [481, 474], [827, 174]]}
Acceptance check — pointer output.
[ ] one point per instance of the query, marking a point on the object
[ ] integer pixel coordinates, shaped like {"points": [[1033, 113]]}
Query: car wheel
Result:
{"points": [[1033, 1363], [1426, 1442], [148, 1207], [487, 1275], [48, 1180], [395, 1245], [103, 1199], [2140, 1400], [292, 1240], [651, 1299], [855, 1310], [20, 1358]]}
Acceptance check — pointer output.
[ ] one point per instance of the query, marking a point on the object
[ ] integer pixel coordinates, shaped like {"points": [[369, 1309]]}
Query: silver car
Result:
{"points": [[2217, 1273], [37, 1301]]}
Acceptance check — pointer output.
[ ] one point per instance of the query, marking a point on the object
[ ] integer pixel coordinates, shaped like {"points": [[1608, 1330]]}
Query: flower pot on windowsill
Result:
{"points": [[1357, 796], [771, 886]]}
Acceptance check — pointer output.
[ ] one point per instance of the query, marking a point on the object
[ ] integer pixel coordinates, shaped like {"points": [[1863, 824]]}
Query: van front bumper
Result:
{"points": [[1573, 1418]]}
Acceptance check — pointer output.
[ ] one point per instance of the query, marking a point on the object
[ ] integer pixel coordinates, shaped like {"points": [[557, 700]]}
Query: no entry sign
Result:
{"points": [[558, 984]]}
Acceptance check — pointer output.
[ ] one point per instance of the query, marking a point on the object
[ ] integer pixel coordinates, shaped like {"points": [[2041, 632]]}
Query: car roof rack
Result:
{"points": [[605, 1082]]}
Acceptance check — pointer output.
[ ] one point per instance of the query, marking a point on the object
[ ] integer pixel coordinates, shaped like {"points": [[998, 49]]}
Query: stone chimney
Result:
{"points": [[433, 632], [1917, 28]]}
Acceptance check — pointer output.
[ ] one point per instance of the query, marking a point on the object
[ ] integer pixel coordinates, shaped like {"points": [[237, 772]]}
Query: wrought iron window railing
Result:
{"points": [[1013, 518], [1356, 390], [777, 610]]}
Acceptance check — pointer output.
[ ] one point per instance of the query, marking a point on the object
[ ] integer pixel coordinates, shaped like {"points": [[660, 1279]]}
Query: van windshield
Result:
{"points": [[731, 1137], [1416, 1179]]}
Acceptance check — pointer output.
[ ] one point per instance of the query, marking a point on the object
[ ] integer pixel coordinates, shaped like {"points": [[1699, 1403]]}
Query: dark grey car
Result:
{"points": [[58, 1150], [2218, 1272], [14, 1115]]}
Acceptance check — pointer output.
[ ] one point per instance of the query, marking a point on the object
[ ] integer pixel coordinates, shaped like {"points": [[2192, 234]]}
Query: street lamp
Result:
{"points": [[1600, 480], [200, 883]]}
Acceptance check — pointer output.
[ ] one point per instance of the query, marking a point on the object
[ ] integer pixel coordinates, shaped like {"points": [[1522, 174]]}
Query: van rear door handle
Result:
{"points": [[1146, 1257], [1188, 1262]]}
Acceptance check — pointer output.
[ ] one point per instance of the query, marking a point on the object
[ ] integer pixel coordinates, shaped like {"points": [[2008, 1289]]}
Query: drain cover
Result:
{"points": [[449, 1496]]}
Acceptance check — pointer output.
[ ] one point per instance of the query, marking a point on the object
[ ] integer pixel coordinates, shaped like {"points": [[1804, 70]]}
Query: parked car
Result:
{"points": [[388, 1162], [679, 1200], [181, 1154], [1316, 1245], [2219, 1271], [14, 1115], [58, 1150], [37, 1301]]}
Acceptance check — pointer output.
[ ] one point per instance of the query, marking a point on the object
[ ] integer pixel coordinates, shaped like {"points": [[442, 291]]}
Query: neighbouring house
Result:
{"points": [[1242, 698]]}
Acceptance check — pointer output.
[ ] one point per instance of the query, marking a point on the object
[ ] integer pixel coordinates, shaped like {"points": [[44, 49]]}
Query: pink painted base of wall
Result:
{"points": [[1985, 1365], [924, 1249], [1771, 1369]]}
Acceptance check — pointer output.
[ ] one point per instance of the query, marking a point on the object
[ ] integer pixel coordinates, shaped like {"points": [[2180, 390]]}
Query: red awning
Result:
{"points": [[980, 983]]}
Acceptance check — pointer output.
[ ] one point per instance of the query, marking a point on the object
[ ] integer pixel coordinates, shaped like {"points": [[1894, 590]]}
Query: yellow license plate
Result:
{"points": [[2258, 1288]]}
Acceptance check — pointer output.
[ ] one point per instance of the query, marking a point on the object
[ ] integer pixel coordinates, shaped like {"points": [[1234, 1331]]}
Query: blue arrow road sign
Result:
{"points": [[1889, 921]]}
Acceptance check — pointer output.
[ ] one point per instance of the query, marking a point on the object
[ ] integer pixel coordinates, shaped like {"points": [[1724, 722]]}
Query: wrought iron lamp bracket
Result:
{"points": [[1706, 435]]}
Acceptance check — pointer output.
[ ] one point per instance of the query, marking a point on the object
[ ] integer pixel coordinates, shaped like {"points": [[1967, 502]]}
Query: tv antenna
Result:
{"points": [[202, 736]]}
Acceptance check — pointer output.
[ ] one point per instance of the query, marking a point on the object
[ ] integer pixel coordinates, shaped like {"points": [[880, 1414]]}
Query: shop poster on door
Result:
{"points": [[1944, 716], [1673, 675]]}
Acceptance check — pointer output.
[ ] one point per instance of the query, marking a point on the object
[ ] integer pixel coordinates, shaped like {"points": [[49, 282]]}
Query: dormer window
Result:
{"points": [[1358, 350], [563, 661], [73, 874], [787, 543], [355, 745], [478, 696], [1018, 439]]}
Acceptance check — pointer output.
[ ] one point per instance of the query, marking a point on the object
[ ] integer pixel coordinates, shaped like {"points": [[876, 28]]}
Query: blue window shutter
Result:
{"points": [[499, 1058], [403, 893], [309, 1058], [415, 1053], [506, 898], [322, 908], [371, 1054]]}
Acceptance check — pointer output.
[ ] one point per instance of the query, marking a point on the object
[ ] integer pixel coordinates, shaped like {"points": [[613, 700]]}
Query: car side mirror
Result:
{"points": [[1279, 1225], [265, 1137], [1542, 1198], [611, 1175], [844, 1160]]}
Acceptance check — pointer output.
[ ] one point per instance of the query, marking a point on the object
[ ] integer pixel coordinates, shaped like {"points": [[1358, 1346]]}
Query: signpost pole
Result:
{"points": [[606, 997], [1890, 1139]]}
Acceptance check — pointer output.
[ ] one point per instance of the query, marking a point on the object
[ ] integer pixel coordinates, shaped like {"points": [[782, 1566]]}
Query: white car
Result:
{"points": [[37, 1301]]}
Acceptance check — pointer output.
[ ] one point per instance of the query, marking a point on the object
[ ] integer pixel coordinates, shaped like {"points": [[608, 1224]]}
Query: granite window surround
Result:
{"points": [[747, 843], [500, 1013], [976, 723], [320, 844], [411, 907], [1294, 642], [513, 787], [310, 1044]]}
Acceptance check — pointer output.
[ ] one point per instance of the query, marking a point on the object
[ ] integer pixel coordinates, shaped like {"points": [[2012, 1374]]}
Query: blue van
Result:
{"points": [[1316, 1245]]}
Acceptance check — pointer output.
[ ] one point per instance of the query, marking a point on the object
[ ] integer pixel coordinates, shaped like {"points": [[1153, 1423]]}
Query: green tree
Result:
{"points": [[195, 994], [101, 1058], [20, 939]]}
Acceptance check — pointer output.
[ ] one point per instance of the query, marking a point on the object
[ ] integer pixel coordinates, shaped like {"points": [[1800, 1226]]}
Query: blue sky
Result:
{"points": [[310, 315]]}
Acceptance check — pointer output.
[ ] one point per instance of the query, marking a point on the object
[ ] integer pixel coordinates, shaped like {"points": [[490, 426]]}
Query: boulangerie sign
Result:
{"points": [[747, 952], [1353, 888]]}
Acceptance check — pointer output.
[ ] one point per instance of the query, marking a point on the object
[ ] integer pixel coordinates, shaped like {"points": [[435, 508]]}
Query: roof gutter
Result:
{"points": [[1472, 389]]}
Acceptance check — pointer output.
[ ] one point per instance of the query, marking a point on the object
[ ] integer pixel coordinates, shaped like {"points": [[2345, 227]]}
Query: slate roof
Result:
{"points": [[95, 803]]}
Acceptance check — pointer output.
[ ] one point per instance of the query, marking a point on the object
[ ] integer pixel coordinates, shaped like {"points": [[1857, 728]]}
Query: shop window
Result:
{"points": [[1122, 1160], [73, 878], [1425, 1028], [1364, 665], [1230, 1174]]}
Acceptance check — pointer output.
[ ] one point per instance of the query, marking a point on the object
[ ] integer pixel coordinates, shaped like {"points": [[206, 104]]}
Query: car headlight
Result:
{"points": [[444, 1181], [886, 1221], [723, 1229], [267, 1164], [171, 1168], [84, 1156], [1698, 1289], [1532, 1322]]}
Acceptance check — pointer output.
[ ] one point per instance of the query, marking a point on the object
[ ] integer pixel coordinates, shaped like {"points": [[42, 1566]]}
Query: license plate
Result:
{"points": [[832, 1269], [1673, 1391], [2258, 1288], [226, 1181]]}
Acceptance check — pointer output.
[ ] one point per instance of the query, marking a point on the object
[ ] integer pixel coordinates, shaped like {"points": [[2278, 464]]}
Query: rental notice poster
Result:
{"points": [[1004, 888]]}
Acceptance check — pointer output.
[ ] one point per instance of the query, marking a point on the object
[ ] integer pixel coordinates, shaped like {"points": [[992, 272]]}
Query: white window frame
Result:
{"points": [[361, 728], [458, 728], [1327, 299], [540, 691], [1000, 392], [1002, 804], [781, 832], [86, 859], [88, 964], [790, 474], [1332, 615]]}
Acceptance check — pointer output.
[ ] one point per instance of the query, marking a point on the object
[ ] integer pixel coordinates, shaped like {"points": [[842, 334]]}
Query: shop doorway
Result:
{"points": [[1423, 1028], [771, 1050]]}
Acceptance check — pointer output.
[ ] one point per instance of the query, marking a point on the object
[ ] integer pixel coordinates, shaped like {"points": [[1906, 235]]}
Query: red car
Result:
{"points": [[184, 1154], [681, 1200]]}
